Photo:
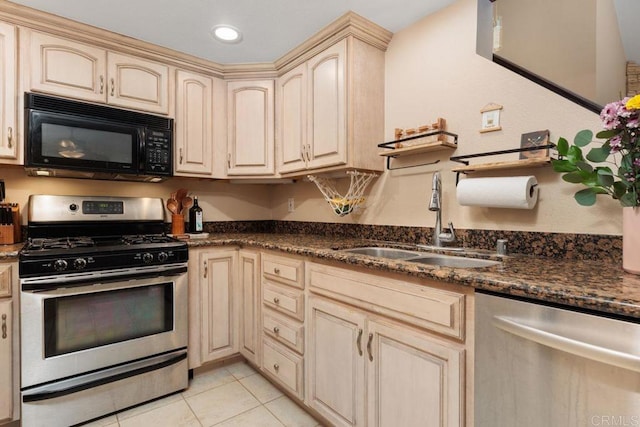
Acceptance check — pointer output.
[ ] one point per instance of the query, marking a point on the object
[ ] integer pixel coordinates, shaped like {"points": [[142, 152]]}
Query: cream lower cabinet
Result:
{"points": [[9, 345], [68, 68], [249, 280], [9, 151], [364, 367], [213, 305]]}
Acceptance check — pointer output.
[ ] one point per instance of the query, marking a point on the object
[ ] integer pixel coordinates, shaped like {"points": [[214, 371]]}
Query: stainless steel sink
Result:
{"points": [[423, 258], [453, 261], [391, 253]]}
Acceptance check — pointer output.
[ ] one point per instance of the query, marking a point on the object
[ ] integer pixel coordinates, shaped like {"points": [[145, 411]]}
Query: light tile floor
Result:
{"points": [[233, 395]]}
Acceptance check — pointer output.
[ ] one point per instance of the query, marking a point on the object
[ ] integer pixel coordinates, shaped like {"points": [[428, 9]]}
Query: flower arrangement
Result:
{"points": [[621, 134]]}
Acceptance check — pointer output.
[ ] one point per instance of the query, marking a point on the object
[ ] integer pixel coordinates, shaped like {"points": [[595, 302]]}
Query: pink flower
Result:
{"points": [[616, 143], [636, 162]]}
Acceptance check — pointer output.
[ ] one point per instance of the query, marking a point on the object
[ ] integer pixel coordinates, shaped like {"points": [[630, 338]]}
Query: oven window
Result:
{"points": [[79, 322], [65, 141]]}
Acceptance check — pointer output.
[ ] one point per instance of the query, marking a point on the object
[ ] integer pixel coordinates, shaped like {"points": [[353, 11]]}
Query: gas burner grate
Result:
{"points": [[60, 243], [145, 239]]}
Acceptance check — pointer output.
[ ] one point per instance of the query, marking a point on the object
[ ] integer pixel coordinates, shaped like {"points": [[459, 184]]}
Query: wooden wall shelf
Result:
{"points": [[514, 164], [441, 144]]}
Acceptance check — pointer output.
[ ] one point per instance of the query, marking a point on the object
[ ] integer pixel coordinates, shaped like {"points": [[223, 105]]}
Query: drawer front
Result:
{"points": [[283, 300], [6, 273], [283, 366], [284, 270], [423, 306], [284, 330]]}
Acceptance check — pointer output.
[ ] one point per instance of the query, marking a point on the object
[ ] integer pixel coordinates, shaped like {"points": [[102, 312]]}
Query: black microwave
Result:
{"points": [[73, 139]]}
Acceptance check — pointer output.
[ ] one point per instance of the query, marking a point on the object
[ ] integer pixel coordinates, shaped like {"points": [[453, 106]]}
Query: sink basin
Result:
{"points": [[453, 261], [384, 252]]}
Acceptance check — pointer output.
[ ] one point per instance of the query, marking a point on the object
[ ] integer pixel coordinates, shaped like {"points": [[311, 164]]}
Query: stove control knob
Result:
{"points": [[60, 265], [79, 263], [147, 257], [163, 256]]}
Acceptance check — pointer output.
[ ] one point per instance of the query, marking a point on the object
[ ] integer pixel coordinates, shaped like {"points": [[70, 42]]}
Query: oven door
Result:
{"points": [[69, 331]]}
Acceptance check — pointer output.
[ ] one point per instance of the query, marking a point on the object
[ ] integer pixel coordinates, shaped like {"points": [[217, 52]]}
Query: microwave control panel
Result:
{"points": [[158, 152]]}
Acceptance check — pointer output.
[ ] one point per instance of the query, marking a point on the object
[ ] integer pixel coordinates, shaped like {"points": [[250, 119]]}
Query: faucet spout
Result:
{"points": [[435, 205]]}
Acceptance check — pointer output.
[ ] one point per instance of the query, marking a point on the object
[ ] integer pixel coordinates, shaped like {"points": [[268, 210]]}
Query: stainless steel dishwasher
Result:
{"points": [[537, 365]]}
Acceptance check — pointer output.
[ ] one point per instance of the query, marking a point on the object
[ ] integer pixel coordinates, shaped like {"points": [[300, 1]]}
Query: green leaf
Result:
{"points": [[604, 170], [586, 197], [563, 166], [628, 200], [605, 180], [575, 154], [584, 166], [582, 138], [606, 134], [574, 177], [619, 189], [562, 146], [598, 154]]}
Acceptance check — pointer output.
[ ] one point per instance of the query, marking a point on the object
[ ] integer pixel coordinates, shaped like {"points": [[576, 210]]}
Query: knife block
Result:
{"points": [[11, 233]]}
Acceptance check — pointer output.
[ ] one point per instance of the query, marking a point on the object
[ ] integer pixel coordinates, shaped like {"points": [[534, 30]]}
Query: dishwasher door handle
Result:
{"points": [[569, 345]]}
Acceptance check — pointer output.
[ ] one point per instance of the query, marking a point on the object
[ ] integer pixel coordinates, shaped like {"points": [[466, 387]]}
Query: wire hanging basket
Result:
{"points": [[352, 200]]}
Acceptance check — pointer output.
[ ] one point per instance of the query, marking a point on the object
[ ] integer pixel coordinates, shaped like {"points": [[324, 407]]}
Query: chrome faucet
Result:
{"points": [[435, 205]]}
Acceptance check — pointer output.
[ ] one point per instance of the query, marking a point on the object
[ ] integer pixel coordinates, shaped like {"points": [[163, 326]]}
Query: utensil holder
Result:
{"points": [[177, 224]]}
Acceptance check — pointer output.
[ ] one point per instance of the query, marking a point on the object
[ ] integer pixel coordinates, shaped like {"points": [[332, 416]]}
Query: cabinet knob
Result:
{"points": [[276, 270], [4, 326], [276, 367], [276, 300], [10, 137], [276, 330]]}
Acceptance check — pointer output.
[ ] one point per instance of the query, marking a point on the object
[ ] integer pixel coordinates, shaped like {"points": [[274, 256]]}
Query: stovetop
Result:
{"points": [[43, 244]]}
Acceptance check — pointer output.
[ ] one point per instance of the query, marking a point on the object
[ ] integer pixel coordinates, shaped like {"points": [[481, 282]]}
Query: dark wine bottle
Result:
{"points": [[195, 217]]}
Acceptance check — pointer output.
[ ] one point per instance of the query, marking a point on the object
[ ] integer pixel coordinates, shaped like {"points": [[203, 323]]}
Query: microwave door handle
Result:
{"points": [[569, 345]]}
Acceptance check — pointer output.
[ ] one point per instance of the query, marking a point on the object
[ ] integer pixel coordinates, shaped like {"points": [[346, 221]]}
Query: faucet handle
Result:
{"points": [[449, 237], [452, 231]]}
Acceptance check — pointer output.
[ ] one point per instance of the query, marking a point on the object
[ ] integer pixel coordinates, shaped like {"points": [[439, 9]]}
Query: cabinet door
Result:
{"points": [[250, 131], [8, 113], [67, 68], [412, 380], [6, 365], [327, 102], [292, 120], [194, 128], [138, 83], [219, 325], [249, 277], [335, 357]]}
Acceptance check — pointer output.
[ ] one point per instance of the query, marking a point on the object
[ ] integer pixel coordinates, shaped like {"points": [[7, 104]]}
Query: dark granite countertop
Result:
{"points": [[592, 285]]}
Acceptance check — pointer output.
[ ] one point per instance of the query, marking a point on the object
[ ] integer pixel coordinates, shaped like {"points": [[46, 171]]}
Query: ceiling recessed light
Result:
{"points": [[226, 34]]}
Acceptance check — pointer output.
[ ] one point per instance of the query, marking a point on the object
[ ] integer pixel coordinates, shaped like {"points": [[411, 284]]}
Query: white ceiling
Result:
{"points": [[270, 28]]}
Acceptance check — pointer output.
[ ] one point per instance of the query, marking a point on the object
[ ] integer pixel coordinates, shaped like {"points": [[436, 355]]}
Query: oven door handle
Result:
{"points": [[106, 376]]}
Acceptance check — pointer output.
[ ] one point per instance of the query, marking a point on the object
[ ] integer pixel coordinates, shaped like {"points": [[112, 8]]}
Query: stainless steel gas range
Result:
{"points": [[103, 306]]}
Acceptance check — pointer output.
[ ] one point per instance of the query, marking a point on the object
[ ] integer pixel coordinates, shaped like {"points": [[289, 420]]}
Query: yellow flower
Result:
{"points": [[633, 103]]}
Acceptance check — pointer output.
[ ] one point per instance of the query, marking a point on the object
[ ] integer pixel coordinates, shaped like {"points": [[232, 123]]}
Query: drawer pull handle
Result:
{"points": [[276, 300], [101, 85], [276, 367], [276, 330], [113, 87], [10, 137], [205, 269], [4, 326], [181, 156], [359, 342], [369, 347], [276, 270]]}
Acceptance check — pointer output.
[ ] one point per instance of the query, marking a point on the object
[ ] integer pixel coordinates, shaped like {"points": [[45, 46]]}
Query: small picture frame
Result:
{"points": [[530, 140], [491, 118]]}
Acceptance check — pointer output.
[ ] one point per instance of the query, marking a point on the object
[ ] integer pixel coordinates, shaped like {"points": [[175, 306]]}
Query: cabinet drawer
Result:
{"points": [[6, 272], [284, 270], [283, 366], [284, 330], [423, 306], [283, 300]]}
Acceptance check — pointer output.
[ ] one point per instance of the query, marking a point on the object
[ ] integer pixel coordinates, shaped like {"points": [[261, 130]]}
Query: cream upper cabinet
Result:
{"points": [[193, 125], [77, 70], [249, 279], [250, 128], [331, 110], [6, 360], [9, 152]]}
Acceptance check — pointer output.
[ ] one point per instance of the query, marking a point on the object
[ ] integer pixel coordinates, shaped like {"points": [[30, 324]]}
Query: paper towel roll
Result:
{"points": [[516, 192]]}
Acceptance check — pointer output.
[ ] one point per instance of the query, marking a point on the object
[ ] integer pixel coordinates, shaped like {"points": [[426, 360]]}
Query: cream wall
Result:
{"points": [[432, 71]]}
